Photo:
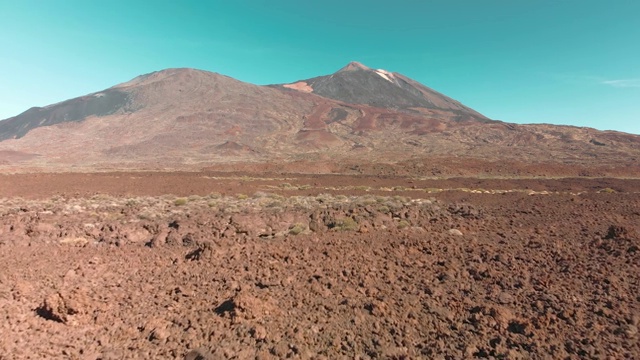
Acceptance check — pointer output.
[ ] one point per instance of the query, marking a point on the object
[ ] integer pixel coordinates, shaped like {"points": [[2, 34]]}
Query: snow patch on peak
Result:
{"points": [[386, 75]]}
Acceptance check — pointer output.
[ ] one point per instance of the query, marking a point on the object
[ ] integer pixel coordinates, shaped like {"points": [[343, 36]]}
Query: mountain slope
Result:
{"points": [[102, 103]]}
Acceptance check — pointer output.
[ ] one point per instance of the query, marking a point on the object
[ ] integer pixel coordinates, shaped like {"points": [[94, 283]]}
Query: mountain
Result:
{"points": [[358, 84], [357, 119]]}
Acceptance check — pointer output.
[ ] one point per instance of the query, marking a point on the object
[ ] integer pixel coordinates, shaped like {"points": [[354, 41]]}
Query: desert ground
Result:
{"points": [[211, 265]]}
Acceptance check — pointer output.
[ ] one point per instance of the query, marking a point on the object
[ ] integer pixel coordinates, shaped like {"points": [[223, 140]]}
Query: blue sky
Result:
{"points": [[574, 62]]}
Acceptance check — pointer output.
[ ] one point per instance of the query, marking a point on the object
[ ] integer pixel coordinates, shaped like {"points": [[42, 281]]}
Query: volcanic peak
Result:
{"points": [[354, 66], [357, 66]]}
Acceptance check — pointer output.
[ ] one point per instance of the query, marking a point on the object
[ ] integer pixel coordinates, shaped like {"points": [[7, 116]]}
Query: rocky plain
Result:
{"points": [[233, 266]]}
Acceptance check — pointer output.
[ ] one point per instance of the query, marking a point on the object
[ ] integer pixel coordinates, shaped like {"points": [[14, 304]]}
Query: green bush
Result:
{"points": [[346, 224], [180, 201]]}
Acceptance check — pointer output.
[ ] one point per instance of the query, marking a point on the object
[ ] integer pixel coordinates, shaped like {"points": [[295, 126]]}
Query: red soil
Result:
{"points": [[463, 275]]}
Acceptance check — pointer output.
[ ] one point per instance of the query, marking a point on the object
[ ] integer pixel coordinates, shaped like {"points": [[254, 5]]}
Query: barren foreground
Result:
{"points": [[192, 266]]}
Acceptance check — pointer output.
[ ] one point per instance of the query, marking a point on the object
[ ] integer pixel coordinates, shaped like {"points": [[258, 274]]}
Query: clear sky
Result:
{"points": [[574, 62]]}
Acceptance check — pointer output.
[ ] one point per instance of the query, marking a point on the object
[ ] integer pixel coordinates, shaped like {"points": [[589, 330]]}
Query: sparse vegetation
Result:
{"points": [[180, 201], [274, 204], [346, 224], [403, 224], [214, 195], [260, 195], [367, 201], [607, 191], [324, 198], [297, 229], [400, 198]]}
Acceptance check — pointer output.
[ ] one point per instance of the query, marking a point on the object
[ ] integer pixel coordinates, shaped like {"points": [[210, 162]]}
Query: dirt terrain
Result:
{"points": [[230, 266]]}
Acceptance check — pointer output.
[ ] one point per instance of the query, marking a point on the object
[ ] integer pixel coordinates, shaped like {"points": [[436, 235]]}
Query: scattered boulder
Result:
{"points": [[55, 307], [466, 211], [198, 354], [455, 232], [617, 232]]}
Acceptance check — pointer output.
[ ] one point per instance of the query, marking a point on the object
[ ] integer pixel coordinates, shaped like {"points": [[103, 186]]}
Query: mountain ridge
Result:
{"points": [[189, 118]]}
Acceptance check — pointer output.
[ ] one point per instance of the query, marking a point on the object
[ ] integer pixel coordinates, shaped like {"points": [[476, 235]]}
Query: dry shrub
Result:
{"points": [[180, 201], [297, 229], [346, 224]]}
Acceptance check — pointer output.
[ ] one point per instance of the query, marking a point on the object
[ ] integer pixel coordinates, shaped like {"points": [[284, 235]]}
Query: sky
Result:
{"points": [[572, 62]]}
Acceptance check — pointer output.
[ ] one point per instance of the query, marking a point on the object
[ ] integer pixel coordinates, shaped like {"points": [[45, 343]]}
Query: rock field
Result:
{"points": [[328, 275]]}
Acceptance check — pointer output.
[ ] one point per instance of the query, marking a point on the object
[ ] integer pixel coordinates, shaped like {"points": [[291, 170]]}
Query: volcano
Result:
{"points": [[357, 118], [359, 84]]}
